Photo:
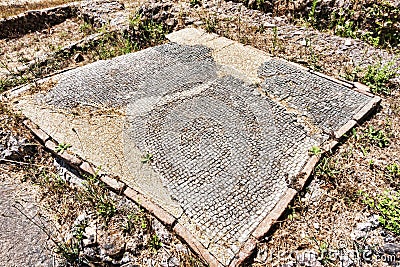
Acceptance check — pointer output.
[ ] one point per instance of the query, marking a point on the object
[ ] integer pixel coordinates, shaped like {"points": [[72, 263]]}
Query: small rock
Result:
{"points": [[198, 23], [80, 219], [78, 58], [174, 262], [170, 22], [111, 245], [357, 235], [90, 253], [269, 25], [316, 225], [391, 248], [367, 226], [289, 264], [162, 232], [348, 42], [303, 42], [181, 248], [90, 235], [126, 258], [374, 221]]}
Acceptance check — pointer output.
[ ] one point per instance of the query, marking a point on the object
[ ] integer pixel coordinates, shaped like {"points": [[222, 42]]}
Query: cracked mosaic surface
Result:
{"points": [[327, 103], [224, 152]]}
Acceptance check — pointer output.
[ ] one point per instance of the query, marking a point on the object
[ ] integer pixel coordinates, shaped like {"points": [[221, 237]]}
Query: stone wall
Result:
{"points": [[35, 20]]}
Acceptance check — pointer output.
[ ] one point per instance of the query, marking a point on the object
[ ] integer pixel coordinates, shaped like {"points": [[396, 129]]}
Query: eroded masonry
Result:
{"points": [[210, 135]]}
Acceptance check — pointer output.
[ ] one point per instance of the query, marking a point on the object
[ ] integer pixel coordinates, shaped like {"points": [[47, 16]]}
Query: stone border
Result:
{"points": [[116, 185], [265, 226], [171, 221], [35, 20]]}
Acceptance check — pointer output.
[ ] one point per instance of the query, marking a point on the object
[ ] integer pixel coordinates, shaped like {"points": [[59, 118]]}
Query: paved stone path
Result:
{"points": [[22, 243], [214, 132]]}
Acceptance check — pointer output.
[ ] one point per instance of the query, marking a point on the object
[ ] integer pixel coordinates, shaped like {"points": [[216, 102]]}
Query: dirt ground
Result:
{"points": [[330, 215]]}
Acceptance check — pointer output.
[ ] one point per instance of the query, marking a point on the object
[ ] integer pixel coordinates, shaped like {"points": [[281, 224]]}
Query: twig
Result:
{"points": [[23, 163]]}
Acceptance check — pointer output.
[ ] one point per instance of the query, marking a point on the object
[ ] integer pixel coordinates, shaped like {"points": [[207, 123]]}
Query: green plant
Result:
{"points": [[95, 193], [387, 204], [61, 147], [342, 25], [292, 215], [145, 31], [79, 231], [377, 77], [69, 251], [133, 219], [275, 38], [155, 243], [311, 15], [147, 158], [86, 28], [315, 150], [211, 23], [140, 217], [194, 2], [393, 171], [376, 137], [326, 168]]}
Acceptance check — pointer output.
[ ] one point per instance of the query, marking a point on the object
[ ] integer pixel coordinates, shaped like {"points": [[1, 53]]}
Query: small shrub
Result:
{"points": [[62, 147], [326, 168], [211, 24], [315, 150], [376, 137], [145, 32], [155, 243], [387, 205], [377, 77]]}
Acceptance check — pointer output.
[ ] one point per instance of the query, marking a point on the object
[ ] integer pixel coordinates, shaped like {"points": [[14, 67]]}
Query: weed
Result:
{"points": [[325, 258], [326, 168], [140, 217], [61, 147], [275, 38], [341, 25], [147, 158], [387, 204], [311, 15], [315, 150], [375, 23], [155, 243], [377, 77], [79, 231], [292, 213], [69, 252], [194, 2], [376, 137], [392, 171], [145, 32], [86, 28], [136, 220], [211, 23], [94, 192]]}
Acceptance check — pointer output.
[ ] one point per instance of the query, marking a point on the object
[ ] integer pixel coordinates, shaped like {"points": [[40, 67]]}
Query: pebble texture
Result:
{"points": [[327, 103], [225, 152]]}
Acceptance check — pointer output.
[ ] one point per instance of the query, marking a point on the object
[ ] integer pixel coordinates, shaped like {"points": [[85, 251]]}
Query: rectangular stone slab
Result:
{"points": [[209, 135]]}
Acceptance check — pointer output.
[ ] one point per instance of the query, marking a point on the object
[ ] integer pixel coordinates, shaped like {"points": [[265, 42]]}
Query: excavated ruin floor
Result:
{"points": [[212, 136]]}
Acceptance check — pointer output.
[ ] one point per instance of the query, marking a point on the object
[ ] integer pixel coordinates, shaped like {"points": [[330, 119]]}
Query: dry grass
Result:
{"points": [[11, 9], [16, 52]]}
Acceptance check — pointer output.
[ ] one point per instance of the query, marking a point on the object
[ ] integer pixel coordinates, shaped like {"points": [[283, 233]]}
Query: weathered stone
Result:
{"points": [[182, 127]]}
